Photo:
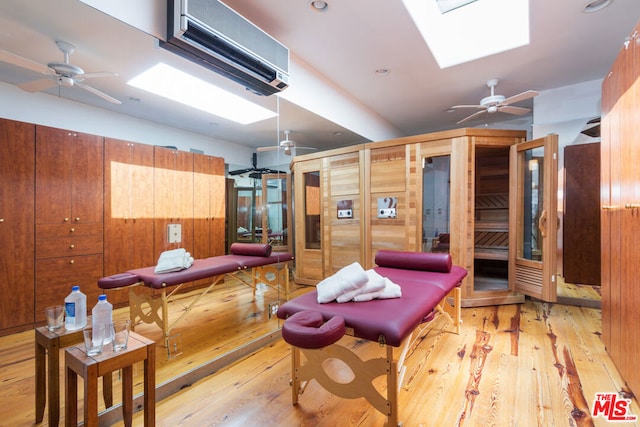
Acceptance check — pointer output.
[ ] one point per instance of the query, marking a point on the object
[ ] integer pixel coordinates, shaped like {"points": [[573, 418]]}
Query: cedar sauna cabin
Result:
{"points": [[467, 192]]}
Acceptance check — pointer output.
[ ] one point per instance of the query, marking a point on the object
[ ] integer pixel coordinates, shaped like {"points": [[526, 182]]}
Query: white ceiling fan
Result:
{"points": [[286, 144], [57, 73], [494, 103]]}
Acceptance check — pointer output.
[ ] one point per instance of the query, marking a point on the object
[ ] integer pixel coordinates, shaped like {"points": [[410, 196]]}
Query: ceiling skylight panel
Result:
{"points": [[186, 89], [471, 31]]}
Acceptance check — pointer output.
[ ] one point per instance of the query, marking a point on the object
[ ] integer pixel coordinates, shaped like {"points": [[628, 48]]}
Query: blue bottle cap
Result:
{"points": [[102, 297]]}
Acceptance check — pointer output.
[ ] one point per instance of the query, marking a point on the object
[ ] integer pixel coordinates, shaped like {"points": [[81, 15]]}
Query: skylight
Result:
{"points": [[171, 83], [470, 31]]}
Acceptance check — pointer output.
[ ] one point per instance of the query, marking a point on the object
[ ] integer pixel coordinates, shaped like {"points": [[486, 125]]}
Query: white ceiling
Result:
{"points": [[344, 46]]}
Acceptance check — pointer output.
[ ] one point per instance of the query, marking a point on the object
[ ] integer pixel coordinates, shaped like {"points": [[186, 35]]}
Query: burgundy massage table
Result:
{"points": [[429, 283], [255, 259]]}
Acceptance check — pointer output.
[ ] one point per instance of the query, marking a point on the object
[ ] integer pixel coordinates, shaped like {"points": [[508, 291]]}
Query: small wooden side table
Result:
{"points": [[91, 367], [48, 345]]}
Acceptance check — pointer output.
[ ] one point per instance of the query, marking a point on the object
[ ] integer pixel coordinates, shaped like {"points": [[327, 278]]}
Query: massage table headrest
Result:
{"points": [[307, 329], [250, 249], [118, 281], [426, 261]]}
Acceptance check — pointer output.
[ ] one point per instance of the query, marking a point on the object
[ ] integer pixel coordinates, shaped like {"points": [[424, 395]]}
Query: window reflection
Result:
{"points": [[533, 203], [312, 210], [436, 184]]}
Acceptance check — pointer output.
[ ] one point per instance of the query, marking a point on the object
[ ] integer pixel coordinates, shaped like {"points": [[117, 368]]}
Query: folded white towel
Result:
{"points": [[391, 290], [346, 279], [173, 260], [375, 283]]}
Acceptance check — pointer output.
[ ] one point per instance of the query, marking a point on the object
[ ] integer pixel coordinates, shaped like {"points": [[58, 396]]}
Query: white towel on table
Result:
{"points": [[173, 260], [375, 283], [391, 290], [346, 279]]}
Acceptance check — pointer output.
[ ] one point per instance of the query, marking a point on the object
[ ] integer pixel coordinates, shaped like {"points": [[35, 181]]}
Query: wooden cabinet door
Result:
{"points": [[69, 176], [54, 164], [173, 198], [17, 204], [128, 209], [209, 206], [87, 176]]}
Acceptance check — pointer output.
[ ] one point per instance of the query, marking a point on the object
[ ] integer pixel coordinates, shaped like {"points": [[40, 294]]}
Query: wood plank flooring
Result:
{"points": [[533, 364]]}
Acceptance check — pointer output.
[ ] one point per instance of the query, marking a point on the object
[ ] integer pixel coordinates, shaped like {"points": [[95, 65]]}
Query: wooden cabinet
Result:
{"points": [[76, 207], [173, 198], [209, 206], [620, 211], [68, 215], [128, 209], [17, 186]]}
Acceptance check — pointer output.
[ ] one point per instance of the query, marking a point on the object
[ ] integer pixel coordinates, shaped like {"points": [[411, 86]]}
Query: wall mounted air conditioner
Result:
{"points": [[211, 34]]}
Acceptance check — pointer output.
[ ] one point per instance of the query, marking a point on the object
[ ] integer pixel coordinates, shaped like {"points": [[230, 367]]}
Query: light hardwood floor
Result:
{"points": [[533, 364]]}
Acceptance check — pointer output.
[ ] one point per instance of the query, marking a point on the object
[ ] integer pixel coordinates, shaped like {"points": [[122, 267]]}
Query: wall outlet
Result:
{"points": [[387, 213], [174, 233], [345, 213]]}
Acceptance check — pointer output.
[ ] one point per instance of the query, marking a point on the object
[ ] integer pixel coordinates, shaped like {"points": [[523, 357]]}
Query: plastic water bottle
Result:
{"points": [[102, 315], [75, 307]]}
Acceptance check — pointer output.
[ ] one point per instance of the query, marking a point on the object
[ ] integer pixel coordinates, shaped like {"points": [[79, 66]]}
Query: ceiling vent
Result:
{"points": [[211, 34]]}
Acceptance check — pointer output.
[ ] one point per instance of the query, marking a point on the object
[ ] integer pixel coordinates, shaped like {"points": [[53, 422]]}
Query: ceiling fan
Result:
{"points": [[494, 103], [254, 171], [57, 73], [286, 144]]}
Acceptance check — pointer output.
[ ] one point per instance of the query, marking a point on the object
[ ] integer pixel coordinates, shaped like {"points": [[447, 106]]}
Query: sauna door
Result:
{"points": [[534, 218]]}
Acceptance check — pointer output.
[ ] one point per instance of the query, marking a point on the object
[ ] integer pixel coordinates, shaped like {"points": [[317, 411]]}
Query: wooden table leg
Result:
{"points": [[150, 386], [54, 382], [107, 389], [70, 398], [90, 396], [41, 382], [127, 395]]}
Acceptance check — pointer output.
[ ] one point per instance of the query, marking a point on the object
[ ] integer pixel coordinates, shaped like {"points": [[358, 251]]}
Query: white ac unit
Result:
{"points": [[211, 34]]}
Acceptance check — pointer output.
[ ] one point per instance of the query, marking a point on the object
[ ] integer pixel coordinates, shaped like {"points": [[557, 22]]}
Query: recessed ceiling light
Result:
{"points": [[318, 5], [596, 5]]}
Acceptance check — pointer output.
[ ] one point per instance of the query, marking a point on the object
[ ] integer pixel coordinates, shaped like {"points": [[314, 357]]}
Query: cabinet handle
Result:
{"points": [[1, 219], [608, 207], [72, 230], [66, 220], [72, 262], [72, 246], [77, 219], [632, 206]]}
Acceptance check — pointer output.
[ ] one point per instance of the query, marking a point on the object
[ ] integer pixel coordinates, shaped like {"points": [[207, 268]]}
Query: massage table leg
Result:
{"points": [[271, 275], [146, 307], [450, 306], [364, 372]]}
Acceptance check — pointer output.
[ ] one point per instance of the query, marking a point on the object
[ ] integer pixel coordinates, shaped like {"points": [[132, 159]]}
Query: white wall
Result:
{"points": [[62, 113]]}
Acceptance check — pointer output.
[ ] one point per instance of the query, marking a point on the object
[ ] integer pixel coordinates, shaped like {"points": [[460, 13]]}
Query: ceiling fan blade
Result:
{"points": [[20, 61], [95, 75], [520, 97], [38, 85], [241, 171], [270, 148], [513, 110], [468, 106], [98, 93], [477, 113]]}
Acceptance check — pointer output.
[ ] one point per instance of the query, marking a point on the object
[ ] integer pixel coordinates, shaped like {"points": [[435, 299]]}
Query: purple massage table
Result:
{"points": [[255, 259], [430, 284]]}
